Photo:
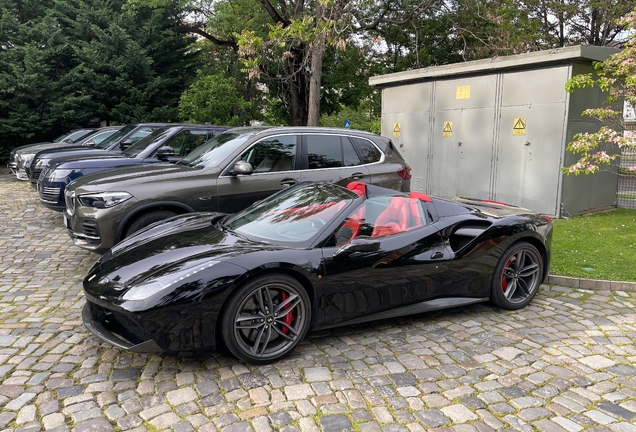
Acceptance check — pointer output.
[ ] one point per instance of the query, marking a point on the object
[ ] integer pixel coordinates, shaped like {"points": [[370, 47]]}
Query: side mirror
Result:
{"points": [[165, 152], [358, 245], [90, 143], [68, 141], [125, 144], [242, 168]]}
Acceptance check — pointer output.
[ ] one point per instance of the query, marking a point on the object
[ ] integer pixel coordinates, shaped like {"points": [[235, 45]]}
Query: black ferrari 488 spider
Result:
{"points": [[311, 256]]}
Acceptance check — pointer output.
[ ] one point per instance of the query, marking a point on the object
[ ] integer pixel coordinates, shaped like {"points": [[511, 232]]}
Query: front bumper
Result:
{"points": [[13, 167], [117, 329], [21, 174]]}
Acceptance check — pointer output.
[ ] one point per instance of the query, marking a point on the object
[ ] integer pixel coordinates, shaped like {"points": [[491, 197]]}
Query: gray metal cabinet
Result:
{"points": [[498, 129]]}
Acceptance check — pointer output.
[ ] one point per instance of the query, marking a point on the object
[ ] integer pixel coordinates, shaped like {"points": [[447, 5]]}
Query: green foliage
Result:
{"points": [[361, 118], [215, 99], [598, 246], [71, 63], [616, 76]]}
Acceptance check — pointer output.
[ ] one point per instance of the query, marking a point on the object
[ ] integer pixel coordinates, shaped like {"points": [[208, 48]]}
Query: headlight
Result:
{"points": [[41, 162], [62, 173], [104, 199], [142, 292]]}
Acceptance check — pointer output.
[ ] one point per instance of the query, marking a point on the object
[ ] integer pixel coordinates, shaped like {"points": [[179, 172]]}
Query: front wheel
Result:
{"points": [[266, 318], [517, 276], [146, 219]]}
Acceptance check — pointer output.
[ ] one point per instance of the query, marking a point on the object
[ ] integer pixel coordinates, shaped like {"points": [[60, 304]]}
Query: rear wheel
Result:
{"points": [[266, 318], [147, 219], [517, 276]]}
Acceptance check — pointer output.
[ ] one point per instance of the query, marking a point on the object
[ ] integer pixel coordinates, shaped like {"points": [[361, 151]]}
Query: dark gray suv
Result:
{"points": [[227, 174]]}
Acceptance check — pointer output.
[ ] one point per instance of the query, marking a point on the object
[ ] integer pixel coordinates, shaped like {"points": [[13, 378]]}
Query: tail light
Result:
{"points": [[405, 173], [549, 219], [497, 202]]}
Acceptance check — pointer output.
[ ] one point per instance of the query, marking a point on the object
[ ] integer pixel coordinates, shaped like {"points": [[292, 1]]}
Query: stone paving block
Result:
{"points": [[563, 363]]}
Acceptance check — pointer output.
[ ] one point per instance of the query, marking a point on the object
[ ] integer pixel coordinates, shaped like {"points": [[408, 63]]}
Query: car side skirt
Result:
{"points": [[422, 307]]}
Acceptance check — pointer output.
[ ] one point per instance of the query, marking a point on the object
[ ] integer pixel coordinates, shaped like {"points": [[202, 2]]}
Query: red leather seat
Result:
{"points": [[351, 228], [358, 187], [394, 219]]}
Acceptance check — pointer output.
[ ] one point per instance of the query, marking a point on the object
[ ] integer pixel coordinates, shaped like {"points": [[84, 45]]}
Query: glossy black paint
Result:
{"points": [[434, 266]]}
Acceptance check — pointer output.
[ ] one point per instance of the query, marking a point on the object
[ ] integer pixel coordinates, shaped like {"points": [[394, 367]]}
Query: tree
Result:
{"points": [[617, 77], [71, 63], [215, 99], [503, 27]]}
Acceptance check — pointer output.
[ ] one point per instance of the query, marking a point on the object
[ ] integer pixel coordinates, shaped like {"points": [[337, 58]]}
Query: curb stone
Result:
{"points": [[591, 284]]}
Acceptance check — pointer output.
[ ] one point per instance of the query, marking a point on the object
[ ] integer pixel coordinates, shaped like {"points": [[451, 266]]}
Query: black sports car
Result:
{"points": [[311, 256]]}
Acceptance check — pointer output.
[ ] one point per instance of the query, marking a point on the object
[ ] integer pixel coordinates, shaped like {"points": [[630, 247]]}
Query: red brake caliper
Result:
{"points": [[287, 319], [504, 283]]}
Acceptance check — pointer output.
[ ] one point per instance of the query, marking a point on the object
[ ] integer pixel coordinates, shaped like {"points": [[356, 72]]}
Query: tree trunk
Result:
{"points": [[317, 55]]}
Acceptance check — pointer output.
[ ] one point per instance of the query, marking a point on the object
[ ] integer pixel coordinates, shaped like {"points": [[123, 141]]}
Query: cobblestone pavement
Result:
{"points": [[566, 362]]}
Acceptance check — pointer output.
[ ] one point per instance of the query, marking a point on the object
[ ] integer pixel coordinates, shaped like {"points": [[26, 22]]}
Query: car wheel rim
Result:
{"points": [[270, 321], [521, 276]]}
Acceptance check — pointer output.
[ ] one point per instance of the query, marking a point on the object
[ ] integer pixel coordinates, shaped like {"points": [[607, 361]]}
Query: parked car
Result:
{"points": [[66, 139], [166, 144], [312, 256], [115, 144], [90, 140], [227, 174]]}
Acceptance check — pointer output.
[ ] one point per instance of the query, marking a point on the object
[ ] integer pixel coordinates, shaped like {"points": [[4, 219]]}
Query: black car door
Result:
{"points": [[408, 267]]}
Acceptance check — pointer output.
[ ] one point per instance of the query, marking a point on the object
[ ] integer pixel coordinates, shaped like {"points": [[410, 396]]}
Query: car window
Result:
{"points": [[97, 138], [368, 152], [294, 215], [324, 151], [78, 135], [141, 133], [349, 154], [272, 154], [143, 143], [214, 152], [186, 141], [116, 136]]}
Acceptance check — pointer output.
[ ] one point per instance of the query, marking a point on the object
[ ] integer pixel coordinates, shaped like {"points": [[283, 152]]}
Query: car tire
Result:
{"points": [[147, 219], [266, 318], [517, 276]]}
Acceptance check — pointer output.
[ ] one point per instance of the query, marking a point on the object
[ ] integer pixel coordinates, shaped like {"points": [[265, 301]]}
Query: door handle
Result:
{"points": [[287, 182], [356, 176], [437, 255]]}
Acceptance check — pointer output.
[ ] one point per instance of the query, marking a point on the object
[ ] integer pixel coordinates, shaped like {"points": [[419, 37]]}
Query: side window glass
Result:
{"points": [[349, 153], [102, 136], [186, 141], [141, 133], [368, 152], [324, 151], [272, 154]]}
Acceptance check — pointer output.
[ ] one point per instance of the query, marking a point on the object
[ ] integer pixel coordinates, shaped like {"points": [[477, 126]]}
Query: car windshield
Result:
{"points": [[115, 137], [215, 151], [294, 215], [144, 143]]}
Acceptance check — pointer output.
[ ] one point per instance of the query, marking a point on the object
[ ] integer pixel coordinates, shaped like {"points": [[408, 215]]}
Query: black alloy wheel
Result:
{"points": [[517, 277], [266, 318]]}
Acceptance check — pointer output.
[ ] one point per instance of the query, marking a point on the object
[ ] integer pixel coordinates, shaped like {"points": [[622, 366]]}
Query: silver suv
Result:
{"points": [[227, 174]]}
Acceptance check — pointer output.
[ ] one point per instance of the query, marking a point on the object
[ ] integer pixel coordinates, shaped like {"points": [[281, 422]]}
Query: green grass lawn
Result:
{"points": [[598, 246]]}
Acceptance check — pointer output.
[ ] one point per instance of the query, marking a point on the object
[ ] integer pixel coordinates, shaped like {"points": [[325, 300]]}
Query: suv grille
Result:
{"points": [[35, 174], [50, 194], [90, 229]]}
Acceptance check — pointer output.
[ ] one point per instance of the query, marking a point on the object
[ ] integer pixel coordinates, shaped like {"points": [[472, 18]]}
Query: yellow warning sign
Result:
{"points": [[396, 129], [462, 92], [519, 127], [447, 132]]}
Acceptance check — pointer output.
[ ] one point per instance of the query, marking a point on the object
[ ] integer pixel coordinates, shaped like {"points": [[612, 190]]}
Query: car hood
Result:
{"points": [[121, 178], [60, 152], [170, 249], [39, 147], [100, 161]]}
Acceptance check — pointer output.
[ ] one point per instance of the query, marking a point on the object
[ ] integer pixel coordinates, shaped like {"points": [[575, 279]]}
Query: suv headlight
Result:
{"points": [[41, 162], [61, 174], [104, 199]]}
